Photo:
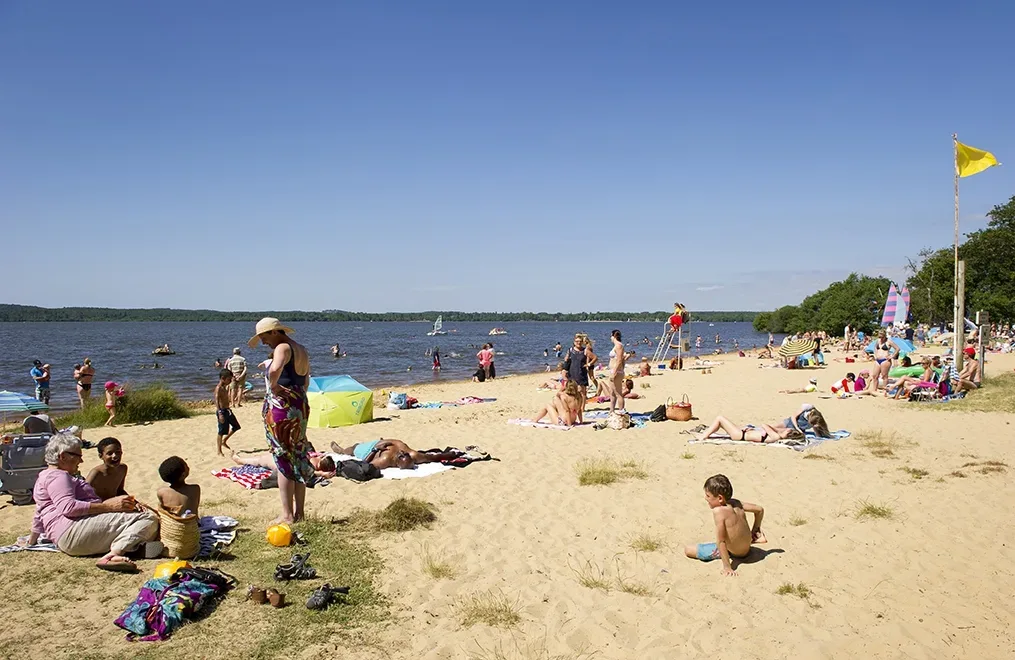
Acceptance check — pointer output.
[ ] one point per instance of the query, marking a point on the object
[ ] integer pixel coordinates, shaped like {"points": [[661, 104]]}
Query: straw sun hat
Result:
{"points": [[267, 324]]}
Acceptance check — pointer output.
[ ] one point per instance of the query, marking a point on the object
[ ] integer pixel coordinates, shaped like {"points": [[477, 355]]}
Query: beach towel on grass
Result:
{"points": [[250, 477], [43, 545], [216, 533], [808, 441]]}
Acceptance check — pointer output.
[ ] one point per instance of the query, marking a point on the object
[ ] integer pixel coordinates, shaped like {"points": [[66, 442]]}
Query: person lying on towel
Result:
{"points": [[385, 453], [324, 466]]}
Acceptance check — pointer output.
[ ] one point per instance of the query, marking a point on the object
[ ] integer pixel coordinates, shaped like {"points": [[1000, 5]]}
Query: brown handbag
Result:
{"points": [[679, 411]]}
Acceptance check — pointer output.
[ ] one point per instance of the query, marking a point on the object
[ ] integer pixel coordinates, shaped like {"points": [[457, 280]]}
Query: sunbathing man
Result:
{"points": [[385, 453], [969, 379]]}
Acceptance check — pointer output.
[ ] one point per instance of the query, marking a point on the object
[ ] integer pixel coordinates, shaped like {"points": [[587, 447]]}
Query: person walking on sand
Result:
{"points": [[40, 374], [285, 414], [237, 364]]}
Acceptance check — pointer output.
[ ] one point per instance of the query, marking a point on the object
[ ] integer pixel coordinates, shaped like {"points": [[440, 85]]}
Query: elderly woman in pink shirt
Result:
{"points": [[71, 515]]}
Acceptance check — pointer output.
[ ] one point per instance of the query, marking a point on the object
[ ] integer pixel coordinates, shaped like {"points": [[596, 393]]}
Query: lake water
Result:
{"points": [[379, 354]]}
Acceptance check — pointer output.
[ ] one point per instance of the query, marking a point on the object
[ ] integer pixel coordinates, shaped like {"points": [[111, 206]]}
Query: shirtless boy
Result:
{"points": [[733, 536], [227, 424], [108, 479], [178, 497]]}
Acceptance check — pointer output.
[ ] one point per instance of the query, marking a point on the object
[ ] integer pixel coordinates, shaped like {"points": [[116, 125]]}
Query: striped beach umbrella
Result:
{"points": [[797, 347], [20, 403]]}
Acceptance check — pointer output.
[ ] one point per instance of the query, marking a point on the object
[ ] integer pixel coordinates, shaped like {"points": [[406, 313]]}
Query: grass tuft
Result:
{"points": [[151, 403], [817, 457], [492, 609], [957, 473], [436, 564], [687, 456], [401, 515], [867, 509], [796, 521], [916, 473], [530, 651], [996, 395], [604, 471], [882, 444], [591, 576], [645, 542], [632, 587]]}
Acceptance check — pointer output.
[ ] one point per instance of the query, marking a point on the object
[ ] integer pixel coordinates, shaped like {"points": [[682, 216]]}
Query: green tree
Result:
{"points": [[855, 301]]}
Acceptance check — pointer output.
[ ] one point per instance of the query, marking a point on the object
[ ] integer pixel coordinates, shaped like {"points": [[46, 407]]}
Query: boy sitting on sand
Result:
{"points": [[179, 497], [733, 536], [227, 424], [107, 480]]}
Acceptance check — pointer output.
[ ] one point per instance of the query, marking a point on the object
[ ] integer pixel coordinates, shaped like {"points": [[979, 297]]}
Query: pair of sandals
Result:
{"points": [[262, 596], [296, 569]]}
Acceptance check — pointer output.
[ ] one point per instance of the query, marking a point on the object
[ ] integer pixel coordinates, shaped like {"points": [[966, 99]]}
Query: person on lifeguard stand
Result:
{"points": [[679, 317]]}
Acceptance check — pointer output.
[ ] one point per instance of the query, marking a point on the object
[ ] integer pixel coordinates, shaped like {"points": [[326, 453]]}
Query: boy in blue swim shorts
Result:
{"points": [[733, 536]]}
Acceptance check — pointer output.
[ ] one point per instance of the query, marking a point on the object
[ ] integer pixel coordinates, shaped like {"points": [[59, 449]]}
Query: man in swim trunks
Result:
{"points": [[382, 453]]}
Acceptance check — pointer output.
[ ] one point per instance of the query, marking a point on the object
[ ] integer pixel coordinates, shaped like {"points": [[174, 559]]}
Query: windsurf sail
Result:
{"points": [[902, 311], [891, 305]]}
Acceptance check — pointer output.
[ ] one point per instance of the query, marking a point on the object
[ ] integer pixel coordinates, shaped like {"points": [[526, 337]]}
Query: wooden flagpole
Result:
{"points": [[959, 334]]}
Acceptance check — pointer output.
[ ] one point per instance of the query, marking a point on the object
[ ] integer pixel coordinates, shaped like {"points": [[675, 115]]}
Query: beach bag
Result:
{"points": [[679, 411], [357, 470], [659, 414], [179, 534], [398, 401]]}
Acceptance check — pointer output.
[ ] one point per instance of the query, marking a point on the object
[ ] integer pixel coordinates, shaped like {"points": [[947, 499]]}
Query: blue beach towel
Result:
{"points": [[809, 440]]}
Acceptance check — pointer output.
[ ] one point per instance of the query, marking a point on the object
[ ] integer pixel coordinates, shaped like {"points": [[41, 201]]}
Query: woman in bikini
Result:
{"points": [[84, 374], [617, 360], [564, 408], [806, 419], [884, 352]]}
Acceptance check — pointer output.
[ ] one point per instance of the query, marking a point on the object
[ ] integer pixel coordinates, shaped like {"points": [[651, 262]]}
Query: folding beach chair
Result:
{"points": [[21, 462]]}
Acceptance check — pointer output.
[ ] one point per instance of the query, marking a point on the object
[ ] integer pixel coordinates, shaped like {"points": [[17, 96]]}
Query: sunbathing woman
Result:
{"points": [[904, 386], [884, 352], [564, 408], [324, 466], [806, 419], [385, 453]]}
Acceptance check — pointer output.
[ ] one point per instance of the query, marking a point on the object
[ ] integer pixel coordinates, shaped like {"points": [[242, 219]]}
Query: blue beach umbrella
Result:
{"points": [[905, 347], [20, 403]]}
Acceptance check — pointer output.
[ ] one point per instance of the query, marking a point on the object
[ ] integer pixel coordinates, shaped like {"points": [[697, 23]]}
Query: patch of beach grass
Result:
{"points": [[401, 515], [958, 474], [882, 444], [868, 509], [489, 608], [591, 576], [817, 457], [151, 403], [797, 521], [632, 587], [800, 590], [996, 395], [645, 542], [915, 473], [533, 651], [605, 471], [687, 456], [436, 564]]}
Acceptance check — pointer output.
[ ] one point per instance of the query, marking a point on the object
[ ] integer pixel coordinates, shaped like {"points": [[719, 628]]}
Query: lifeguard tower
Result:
{"points": [[674, 327]]}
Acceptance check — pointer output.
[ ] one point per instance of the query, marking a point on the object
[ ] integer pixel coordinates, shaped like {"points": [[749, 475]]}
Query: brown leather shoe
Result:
{"points": [[275, 598], [257, 594]]}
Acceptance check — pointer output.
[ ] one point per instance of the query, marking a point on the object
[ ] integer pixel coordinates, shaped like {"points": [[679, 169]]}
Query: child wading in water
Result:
{"points": [[107, 480], [179, 497], [226, 419], [111, 402], [733, 536]]}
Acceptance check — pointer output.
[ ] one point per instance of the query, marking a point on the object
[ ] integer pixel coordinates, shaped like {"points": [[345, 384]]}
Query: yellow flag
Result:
{"points": [[970, 160]]}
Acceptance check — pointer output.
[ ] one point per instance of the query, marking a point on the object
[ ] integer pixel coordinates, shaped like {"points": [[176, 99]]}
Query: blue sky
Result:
{"points": [[487, 156]]}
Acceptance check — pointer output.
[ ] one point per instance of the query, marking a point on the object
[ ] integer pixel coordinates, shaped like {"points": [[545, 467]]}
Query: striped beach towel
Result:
{"points": [[248, 476]]}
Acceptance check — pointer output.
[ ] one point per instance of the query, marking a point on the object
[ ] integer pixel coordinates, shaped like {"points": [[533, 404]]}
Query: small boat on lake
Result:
{"points": [[497, 331]]}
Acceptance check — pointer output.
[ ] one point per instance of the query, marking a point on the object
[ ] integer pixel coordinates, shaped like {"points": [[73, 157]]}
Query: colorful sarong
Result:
{"points": [[285, 428]]}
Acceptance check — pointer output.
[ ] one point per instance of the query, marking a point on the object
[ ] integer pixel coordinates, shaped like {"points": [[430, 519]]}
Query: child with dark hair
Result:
{"points": [[179, 497], [733, 535], [227, 423], [107, 480]]}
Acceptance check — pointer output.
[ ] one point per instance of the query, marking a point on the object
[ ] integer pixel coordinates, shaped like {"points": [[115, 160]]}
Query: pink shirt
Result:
{"points": [[60, 499], [485, 356]]}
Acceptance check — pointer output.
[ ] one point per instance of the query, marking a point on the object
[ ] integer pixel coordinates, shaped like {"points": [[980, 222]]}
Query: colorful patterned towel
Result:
{"points": [[43, 545], [248, 476]]}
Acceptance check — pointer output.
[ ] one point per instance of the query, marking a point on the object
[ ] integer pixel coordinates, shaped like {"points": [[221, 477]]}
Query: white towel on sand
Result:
{"points": [[422, 470]]}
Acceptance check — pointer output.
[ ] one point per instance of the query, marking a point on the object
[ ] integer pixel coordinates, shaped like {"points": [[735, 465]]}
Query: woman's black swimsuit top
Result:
{"points": [[289, 378]]}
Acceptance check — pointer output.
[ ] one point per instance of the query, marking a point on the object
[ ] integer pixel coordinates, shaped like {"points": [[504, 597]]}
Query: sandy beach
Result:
{"points": [[932, 581]]}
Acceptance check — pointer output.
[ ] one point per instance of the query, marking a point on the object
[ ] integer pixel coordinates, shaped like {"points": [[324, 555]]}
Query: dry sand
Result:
{"points": [[934, 581]]}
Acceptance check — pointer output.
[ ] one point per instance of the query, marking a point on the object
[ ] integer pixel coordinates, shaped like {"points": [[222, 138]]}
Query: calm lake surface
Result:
{"points": [[378, 354]]}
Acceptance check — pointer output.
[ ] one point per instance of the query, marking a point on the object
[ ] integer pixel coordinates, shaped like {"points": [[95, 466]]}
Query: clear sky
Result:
{"points": [[488, 156]]}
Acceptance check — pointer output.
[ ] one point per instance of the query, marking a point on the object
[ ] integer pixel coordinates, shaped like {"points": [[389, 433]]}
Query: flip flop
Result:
{"points": [[119, 566]]}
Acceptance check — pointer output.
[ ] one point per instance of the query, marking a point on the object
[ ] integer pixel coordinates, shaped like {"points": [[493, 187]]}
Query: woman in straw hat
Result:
{"points": [[285, 413]]}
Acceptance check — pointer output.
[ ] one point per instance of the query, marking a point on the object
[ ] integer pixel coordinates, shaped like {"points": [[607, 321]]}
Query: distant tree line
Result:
{"points": [[24, 313], [858, 301]]}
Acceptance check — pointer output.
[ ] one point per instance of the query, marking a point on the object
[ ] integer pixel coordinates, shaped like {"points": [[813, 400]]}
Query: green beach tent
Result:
{"points": [[338, 401]]}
